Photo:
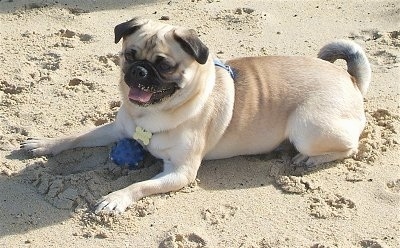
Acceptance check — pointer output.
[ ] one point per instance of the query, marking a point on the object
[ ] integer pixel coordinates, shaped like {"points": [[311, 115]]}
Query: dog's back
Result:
{"points": [[269, 90]]}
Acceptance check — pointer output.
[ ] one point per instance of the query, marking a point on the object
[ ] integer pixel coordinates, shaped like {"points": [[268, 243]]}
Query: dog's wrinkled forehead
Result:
{"points": [[153, 37], [146, 35]]}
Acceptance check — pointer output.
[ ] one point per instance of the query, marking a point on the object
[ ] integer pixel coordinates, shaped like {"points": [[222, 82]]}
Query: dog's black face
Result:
{"points": [[157, 59], [149, 83]]}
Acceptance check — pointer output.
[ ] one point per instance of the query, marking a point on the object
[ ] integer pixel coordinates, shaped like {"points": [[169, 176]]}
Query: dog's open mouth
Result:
{"points": [[145, 95]]}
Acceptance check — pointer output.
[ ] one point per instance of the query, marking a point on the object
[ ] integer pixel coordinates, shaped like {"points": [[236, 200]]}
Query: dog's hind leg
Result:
{"points": [[320, 141], [301, 159]]}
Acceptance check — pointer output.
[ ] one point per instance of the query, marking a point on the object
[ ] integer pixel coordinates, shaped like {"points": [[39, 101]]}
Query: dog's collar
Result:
{"points": [[219, 63]]}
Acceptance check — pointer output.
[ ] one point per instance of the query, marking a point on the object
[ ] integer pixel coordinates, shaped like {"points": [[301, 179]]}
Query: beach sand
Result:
{"points": [[59, 75]]}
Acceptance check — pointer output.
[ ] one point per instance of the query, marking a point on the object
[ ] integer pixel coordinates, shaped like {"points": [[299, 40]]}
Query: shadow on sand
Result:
{"points": [[89, 173], [74, 6]]}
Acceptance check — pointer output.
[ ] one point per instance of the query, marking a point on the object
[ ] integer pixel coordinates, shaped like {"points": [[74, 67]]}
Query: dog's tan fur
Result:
{"points": [[313, 103]]}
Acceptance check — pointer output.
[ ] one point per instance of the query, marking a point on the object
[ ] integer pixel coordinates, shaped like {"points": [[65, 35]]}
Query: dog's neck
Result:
{"points": [[219, 63]]}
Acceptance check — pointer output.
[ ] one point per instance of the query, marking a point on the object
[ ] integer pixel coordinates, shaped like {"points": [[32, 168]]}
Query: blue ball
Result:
{"points": [[127, 152]]}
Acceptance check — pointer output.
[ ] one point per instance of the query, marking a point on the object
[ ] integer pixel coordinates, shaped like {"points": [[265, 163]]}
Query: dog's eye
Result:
{"points": [[130, 55], [164, 67]]}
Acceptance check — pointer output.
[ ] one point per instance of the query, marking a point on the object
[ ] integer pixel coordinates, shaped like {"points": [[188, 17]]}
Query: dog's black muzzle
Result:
{"points": [[144, 75], [146, 85]]}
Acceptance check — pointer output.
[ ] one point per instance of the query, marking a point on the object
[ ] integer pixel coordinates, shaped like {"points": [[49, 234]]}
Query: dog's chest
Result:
{"points": [[172, 145], [160, 145]]}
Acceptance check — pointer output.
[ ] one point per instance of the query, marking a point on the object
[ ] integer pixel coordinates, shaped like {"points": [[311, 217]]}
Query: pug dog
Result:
{"points": [[192, 106]]}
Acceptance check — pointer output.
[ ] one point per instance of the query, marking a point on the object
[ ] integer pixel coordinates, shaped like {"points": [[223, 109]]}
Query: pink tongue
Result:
{"points": [[139, 95]]}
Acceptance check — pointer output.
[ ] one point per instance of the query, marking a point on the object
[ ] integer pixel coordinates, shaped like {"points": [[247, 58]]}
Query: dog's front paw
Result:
{"points": [[40, 147], [115, 202]]}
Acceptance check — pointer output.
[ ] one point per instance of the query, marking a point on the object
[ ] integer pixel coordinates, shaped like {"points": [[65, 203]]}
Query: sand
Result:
{"points": [[59, 73]]}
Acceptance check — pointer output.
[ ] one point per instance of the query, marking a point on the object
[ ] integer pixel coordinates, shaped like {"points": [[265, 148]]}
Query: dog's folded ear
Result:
{"points": [[126, 28], [190, 43]]}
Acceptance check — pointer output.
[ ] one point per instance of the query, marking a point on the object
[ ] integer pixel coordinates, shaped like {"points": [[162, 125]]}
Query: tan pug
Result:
{"points": [[194, 107]]}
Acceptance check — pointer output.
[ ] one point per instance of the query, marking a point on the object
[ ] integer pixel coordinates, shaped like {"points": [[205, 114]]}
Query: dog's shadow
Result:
{"points": [[60, 184], [80, 176], [68, 162], [79, 169], [93, 164], [252, 171]]}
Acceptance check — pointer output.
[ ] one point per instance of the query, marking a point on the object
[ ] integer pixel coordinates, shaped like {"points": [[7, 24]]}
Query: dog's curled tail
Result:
{"points": [[357, 62]]}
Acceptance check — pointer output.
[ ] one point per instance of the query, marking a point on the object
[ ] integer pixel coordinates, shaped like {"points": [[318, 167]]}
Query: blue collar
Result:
{"points": [[219, 63]]}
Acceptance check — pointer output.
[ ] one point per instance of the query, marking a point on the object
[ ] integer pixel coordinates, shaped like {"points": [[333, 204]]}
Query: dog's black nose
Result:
{"points": [[140, 72]]}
